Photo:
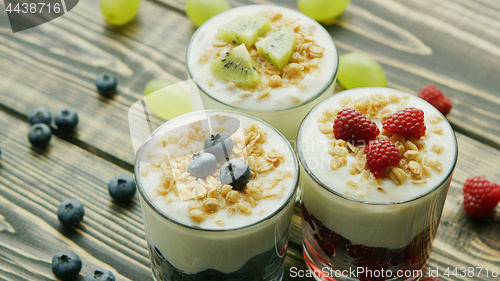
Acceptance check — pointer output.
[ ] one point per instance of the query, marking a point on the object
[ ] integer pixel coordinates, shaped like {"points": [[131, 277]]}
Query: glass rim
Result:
{"points": [[147, 200], [324, 186], [311, 99]]}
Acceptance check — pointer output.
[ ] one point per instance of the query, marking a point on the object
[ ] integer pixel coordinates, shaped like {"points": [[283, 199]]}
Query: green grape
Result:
{"points": [[199, 11], [322, 10], [359, 70], [119, 12], [166, 99]]}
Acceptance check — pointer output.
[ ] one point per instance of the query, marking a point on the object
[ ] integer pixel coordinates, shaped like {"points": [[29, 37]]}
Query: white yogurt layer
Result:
{"points": [[377, 222], [281, 98], [193, 247]]}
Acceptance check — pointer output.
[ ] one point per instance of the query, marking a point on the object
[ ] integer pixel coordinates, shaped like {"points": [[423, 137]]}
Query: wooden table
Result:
{"points": [[452, 43]]}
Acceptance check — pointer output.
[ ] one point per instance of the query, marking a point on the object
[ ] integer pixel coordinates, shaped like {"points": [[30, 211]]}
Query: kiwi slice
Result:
{"points": [[245, 29], [237, 67], [279, 46]]}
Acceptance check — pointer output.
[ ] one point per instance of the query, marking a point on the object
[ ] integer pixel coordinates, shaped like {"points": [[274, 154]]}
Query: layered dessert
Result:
{"points": [[378, 163], [271, 62], [217, 195]]}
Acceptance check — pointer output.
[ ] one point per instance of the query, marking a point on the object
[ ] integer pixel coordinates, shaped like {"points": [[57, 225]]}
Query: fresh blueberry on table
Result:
{"points": [[100, 275], [220, 145], [40, 115], [202, 165], [40, 135], [122, 188], [235, 172], [66, 119], [70, 212], [66, 265], [106, 84]]}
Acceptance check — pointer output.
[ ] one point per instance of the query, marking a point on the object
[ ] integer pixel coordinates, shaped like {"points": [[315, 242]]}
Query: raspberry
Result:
{"points": [[408, 122], [352, 126], [480, 196], [434, 96], [381, 154], [430, 279]]}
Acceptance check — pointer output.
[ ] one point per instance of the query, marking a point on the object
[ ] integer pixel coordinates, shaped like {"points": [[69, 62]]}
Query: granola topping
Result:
{"points": [[414, 166], [305, 60], [309, 74], [206, 197]]}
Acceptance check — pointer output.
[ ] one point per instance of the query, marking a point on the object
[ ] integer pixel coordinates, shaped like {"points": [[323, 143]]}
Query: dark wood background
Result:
{"points": [[452, 43]]}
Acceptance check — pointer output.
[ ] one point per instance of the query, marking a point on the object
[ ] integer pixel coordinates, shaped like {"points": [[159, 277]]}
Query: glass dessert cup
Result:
{"points": [[181, 249], [350, 237], [278, 108]]}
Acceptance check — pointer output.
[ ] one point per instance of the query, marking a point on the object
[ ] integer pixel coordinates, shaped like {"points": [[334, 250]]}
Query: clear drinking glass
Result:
{"points": [[285, 107], [356, 230], [242, 247]]}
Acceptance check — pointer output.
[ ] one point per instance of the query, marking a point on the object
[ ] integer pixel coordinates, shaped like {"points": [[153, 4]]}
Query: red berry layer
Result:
{"points": [[340, 251]]}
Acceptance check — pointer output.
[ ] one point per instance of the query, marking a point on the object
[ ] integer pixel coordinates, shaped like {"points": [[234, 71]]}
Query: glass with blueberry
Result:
{"points": [[205, 210]]}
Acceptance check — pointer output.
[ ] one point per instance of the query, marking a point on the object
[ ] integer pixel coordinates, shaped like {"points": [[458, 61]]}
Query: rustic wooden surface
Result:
{"points": [[452, 43]]}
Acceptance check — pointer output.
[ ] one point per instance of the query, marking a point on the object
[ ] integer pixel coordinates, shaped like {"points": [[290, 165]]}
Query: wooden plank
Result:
{"points": [[54, 65], [33, 182]]}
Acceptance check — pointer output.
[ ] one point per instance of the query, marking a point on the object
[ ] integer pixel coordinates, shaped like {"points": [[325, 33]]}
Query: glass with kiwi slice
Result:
{"points": [[271, 62]]}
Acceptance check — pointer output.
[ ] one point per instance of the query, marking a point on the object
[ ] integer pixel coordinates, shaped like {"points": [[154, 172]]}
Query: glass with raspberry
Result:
{"points": [[376, 167]]}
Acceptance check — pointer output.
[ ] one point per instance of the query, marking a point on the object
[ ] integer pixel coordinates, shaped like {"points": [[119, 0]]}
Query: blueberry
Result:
{"points": [[40, 115], [66, 265], [40, 135], [122, 187], [106, 84], [235, 172], [70, 212], [202, 165], [66, 119], [220, 145], [100, 275]]}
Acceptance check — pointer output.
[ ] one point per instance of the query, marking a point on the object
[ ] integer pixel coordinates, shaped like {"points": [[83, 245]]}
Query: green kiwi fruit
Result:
{"points": [[279, 46], [236, 66], [244, 29]]}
